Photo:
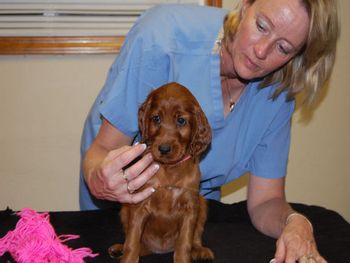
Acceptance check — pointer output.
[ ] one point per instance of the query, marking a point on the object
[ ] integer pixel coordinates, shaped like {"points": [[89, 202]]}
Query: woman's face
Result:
{"points": [[271, 32]]}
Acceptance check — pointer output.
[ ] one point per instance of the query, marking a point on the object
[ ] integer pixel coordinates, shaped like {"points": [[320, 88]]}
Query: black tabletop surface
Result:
{"points": [[228, 233]]}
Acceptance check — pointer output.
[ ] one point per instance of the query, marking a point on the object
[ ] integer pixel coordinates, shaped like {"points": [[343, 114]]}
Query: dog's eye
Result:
{"points": [[181, 121], [156, 119]]}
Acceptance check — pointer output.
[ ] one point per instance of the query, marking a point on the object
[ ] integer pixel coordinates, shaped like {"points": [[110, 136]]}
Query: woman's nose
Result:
{"points": [[262, 48]]}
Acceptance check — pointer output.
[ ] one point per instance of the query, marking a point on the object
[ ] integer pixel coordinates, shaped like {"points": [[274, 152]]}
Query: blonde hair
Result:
{"points": [[310, 69]]}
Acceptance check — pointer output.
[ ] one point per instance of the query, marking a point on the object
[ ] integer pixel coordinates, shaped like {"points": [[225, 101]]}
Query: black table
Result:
{"points": [[228, 232]]}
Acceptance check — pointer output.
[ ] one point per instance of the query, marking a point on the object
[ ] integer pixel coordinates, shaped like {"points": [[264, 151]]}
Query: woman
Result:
{"points": [[245, 74]]}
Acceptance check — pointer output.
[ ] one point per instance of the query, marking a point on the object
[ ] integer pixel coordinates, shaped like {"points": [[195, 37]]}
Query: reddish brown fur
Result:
{"points": [[172, 219]]}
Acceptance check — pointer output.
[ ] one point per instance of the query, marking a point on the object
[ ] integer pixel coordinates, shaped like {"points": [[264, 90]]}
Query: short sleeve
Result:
{"points": [[160, 48], [270, 157], [139, 68]]}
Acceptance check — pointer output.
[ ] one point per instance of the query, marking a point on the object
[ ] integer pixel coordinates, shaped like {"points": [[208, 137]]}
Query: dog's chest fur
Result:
{"points": [[176, 195], [174, 186]]}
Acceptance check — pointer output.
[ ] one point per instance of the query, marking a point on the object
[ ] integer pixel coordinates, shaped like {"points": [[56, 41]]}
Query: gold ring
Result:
{"points": [[311, 259], [307, 259], [124, 176], [303, 259]]}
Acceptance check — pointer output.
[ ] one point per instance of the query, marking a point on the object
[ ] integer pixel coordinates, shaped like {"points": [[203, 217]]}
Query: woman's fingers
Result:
{"points": [[120, 176], [297, 244], [116, 160], [137, 168], [280, 251], [137, 179], [138, 196]]}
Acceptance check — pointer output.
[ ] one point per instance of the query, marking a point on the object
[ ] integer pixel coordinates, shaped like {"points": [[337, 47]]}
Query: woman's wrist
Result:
{"points": [[92, 181], [293, 215]]}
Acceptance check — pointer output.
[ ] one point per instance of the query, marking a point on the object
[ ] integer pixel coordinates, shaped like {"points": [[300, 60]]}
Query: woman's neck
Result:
{"points": [[227, 68], [232, 86], [232, 90]]}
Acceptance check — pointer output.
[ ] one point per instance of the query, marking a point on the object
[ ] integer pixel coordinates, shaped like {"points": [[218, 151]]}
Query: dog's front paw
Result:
{"points": [[202, 253], [116, 251]]}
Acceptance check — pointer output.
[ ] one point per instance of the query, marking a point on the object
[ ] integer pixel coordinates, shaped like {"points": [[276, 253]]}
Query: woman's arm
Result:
{"points": [[270, 214], [105, 160], [267, 205]]}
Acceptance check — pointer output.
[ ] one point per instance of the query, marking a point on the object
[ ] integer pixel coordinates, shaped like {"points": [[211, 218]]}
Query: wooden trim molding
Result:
{"points": [[67, 45], [217, 3], [60, 45]]}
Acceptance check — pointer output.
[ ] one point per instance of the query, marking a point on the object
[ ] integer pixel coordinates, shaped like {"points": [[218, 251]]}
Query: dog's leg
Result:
{"points": [[132, 244], [198, 251], [183, 246], [116, 251]]}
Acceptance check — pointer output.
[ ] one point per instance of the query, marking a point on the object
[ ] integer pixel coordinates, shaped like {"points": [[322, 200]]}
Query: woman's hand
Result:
{"points": [[297, 243], [268, 210], [112, 181]]}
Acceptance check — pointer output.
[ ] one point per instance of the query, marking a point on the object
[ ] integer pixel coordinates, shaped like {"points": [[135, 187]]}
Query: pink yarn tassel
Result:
{"points": [[35, 240]]}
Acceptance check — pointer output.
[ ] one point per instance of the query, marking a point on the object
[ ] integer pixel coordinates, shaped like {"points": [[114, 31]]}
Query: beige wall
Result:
{"points": [[43, 103], [44, 100]]}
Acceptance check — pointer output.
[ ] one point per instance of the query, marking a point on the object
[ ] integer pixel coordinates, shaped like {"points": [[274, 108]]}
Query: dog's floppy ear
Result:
{"points": [[201, 135], [143, 118]]}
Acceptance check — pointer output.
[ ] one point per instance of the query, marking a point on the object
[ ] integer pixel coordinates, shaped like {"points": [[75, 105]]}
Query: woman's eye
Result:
{"points": [[282, 49], [260, 26], [181, 121], [156, 119]]}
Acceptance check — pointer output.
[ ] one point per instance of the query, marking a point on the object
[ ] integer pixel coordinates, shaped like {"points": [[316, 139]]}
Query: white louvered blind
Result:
{"points": [[23, 18]]}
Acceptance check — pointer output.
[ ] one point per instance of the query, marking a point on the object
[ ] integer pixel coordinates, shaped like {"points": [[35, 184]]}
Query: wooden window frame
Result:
{"points": [[67, 45]]}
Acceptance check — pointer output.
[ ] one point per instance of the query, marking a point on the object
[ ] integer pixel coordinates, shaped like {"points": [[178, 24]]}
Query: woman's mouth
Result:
{"points": [[251, 64]]}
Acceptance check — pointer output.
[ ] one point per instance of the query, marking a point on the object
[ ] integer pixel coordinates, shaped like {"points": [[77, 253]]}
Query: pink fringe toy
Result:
{"points": [[35, 240]]}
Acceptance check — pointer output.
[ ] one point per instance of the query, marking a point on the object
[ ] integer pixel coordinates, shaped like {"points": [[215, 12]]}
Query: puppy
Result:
{"points": [[176, 131]]}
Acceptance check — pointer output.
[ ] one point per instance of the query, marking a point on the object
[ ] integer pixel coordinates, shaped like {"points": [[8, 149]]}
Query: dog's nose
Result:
{"points": [[164, 149]]}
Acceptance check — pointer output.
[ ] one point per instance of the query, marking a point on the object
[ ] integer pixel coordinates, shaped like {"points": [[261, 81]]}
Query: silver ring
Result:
{"points": [[130, 191]]}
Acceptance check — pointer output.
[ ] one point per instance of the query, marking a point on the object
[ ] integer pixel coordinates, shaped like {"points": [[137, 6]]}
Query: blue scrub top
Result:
{"points": [[180, 43]]}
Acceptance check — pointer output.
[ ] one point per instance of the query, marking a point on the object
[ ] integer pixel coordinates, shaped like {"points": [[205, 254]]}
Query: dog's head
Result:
{"points": [[173, 124]]}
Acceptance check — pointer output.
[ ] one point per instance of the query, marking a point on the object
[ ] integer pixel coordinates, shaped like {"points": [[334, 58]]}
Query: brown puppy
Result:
{"points": [[176, 130]]}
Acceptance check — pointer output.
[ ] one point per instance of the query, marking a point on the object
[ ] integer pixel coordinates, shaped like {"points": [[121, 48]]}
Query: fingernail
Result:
{"points": [[272, 260], [149, 156], [156, 167], [153, 190], [144, 146]]}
